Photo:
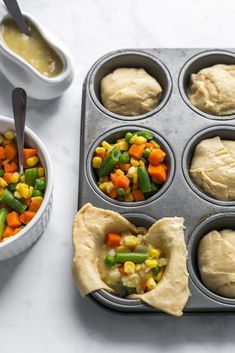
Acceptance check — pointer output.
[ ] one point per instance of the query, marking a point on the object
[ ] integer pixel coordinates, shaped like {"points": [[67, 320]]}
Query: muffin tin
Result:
{"points": [[178, 126]]}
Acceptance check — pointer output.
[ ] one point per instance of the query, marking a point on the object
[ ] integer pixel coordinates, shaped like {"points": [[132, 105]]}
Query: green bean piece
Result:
{"points": [[110, 260], [12, 187], [108, 164], [147, 152], [16, 205], [146, 134], [129, 290], [40, 184], [136, 257], [143, 179], [154, 188], [1, 172], [143, 160], [31, 176], [155, 270], [124, 158], [36, 193], [3, 216], [128, 136], [121, 192]]}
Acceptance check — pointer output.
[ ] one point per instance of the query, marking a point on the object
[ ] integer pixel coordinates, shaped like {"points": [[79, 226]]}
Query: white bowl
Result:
{"points": [[34, 229], [22, 74]]}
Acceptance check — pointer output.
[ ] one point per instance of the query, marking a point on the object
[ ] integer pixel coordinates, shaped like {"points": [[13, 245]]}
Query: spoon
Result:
{"points": [[15, 12], [19, 99]]}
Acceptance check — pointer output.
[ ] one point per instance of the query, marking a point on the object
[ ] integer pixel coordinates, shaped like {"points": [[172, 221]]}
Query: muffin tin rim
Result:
{"points": [[121, 52], [183, 93], [159, 138]]}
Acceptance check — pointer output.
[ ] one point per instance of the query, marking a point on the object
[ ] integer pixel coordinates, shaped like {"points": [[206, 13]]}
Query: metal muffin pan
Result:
{"points": [[178, 127]]}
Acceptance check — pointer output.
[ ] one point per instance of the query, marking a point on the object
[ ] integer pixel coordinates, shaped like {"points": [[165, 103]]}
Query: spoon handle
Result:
{"points": [[14, 10], [19, 100]]}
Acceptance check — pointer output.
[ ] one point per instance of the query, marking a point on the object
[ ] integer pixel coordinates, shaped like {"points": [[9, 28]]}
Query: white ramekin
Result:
{"points": [[34, 229], [22, 74]]}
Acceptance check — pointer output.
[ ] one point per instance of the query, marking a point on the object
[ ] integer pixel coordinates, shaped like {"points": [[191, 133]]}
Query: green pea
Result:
{"points": [[1, 172], [128, 136], [155, 270], [124, 158], [146, 134], [36, 193], [110, 260], [40, 184], [147, 152], [121, 192]]}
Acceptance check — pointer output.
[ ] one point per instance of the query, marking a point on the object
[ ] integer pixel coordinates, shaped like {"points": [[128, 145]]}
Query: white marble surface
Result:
{"points": [[40, 310]]}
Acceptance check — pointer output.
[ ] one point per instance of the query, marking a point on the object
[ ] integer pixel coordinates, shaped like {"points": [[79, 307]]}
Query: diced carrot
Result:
{"points": [[101, 154], [148, 145], [8, 231], [26, 201], [27, 216], [112, 239], [10, 167], [138, 195], [136, 151], [120, 181], [124, 166], [113, 193], [16, 230], [10, 151], [34, 206], [7, 177], [2, 153], [13, 219], [29, 152], [22, 218], [158, 172], [156, 156], [121, 269]]}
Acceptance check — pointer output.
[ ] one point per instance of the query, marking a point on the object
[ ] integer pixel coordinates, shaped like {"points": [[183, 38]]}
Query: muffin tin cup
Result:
{"points": [[176, 127], [111, 136], [196, 63], [216, 222], [225, 132], [133, 59]]}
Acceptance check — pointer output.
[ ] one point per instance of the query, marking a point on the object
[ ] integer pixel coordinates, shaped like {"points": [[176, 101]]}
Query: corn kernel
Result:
{"points": [[24, 190], [103, 179], [1, 139], [121, 248], [3, 183], [22, 179], [155, 144], [15, 178], [96, 162], [109, 186], [137, 267], [102, 186], [151, 263], [6, 142], [134, 162], [142, 164], [9, 135], [138, 140], [154, 253], [129, 198], [122, 146], [41, 172], [131, 171], [129, 267], [119, 172], [100, 149], [1, 191], [107, 146], [17, 195], [37, 198], [159, 276], [135, 179], [150, 283], [32, 161], [131, 240]]}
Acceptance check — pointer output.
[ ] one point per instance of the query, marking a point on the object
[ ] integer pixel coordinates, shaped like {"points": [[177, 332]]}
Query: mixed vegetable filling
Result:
{"points": [[20, 195], [130, 265], [132, 169]]}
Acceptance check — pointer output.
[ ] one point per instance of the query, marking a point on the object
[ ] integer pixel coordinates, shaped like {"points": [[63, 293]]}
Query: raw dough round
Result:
{"points": [[216, 261], [212, 90], [130, 92], [213, 168]]}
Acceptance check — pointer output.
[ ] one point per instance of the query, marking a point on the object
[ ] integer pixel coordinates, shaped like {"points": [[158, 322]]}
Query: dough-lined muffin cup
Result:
{"points": [[129, 59], [196, 63], [225, 132], [118, 133], [217, 222]]}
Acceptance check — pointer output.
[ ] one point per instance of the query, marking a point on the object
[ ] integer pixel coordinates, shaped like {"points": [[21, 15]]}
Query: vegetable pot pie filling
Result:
{"points": [[132, 168], [20, 195], [128, 264], [113, 254]]}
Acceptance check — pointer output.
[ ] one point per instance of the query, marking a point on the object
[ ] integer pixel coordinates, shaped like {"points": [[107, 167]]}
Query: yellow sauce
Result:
{"points": [[33, 49]]}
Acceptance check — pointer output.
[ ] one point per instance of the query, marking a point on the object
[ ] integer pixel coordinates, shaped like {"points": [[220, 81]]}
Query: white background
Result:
{"points": [[40, 310]]}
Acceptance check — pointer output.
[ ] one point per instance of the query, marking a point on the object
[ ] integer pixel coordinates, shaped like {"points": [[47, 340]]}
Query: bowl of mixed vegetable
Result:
{"points": [[131, 165], [25, 199]]}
